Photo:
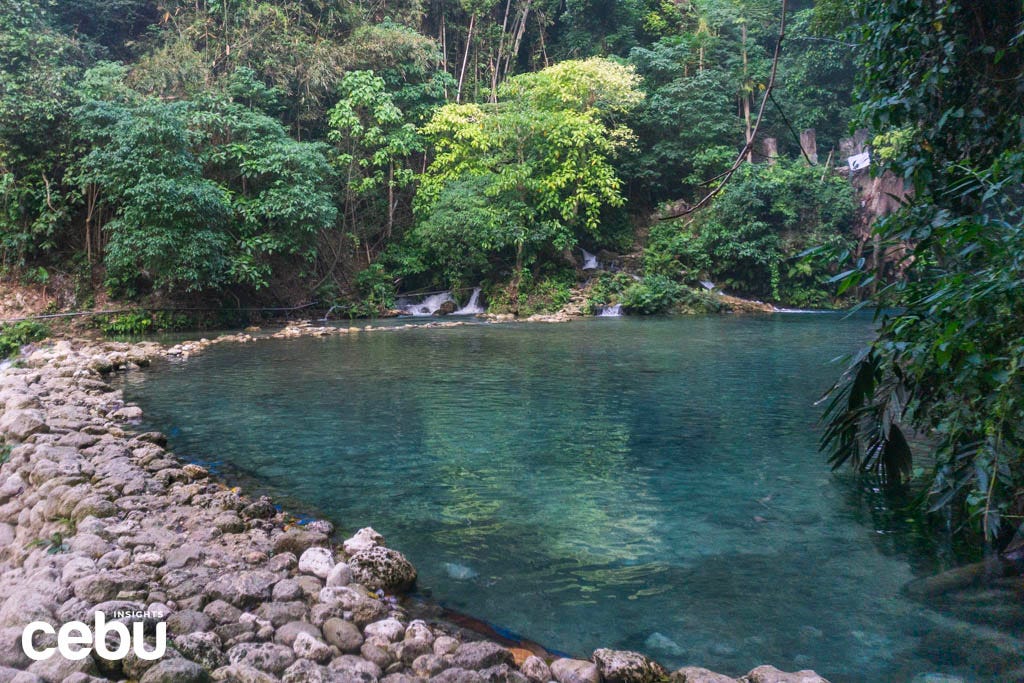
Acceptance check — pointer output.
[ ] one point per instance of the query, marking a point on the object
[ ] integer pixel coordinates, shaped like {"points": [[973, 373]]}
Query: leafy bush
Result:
{"points": [[13, 337], [749, 239], [138, 323], [547, 293], [654, 294], [377, 288]]}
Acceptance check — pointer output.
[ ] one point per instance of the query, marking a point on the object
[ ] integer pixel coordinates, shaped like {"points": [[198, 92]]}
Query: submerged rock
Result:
{"points": [[460, 572], [659, 642]]}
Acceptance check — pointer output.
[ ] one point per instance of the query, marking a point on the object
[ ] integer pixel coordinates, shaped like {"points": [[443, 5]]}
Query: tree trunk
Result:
{"points": [[517, 278], [465, 57], [391, 198], [501, 47]]}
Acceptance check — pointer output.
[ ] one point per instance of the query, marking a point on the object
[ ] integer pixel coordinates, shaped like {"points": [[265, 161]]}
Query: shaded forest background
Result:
{"points": [[237, 152]]}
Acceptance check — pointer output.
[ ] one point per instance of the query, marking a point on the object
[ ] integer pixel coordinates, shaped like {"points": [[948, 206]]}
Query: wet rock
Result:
{"points": [[58, 668], [480, 655], [575, 671], [18, 425], [317, 561], [280, 613], [390, 630], [374, 651], [363, 608], [222, 612], [429, 665], [238, 632], [244, 589], [188, 621], [503, 674], [353, 669], [418, 630], [264, 656], [286, 590], [769, 674], [399, 677], [303, 671], [340, 575], [320, 526], [263, 508], [458, 676], [411, 648], [380, 567], [98, 587], [175, 671], [287, 634], [536, 670], [297, 541], [240, 673], [203, 648], [363, 539], [229, 523], [624, 666], [342, 634], [695, 674], [445, 645], [309, 647]]}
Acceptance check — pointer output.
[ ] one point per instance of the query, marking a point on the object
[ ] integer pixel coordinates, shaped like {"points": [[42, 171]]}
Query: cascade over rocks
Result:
{"points": [[94, 518]]}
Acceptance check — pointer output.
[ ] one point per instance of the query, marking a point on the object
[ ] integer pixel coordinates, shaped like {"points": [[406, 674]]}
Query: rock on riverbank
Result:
{"points": [[95, 517]]}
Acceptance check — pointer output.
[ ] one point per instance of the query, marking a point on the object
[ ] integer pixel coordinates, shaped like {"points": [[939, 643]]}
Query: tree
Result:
{"points": [[541, 156], [374, 140], [199, 195], [38, 68], [943, 80]]}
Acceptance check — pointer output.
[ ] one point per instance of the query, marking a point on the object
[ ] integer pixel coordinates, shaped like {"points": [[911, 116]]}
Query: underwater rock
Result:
{"points": [[460, 572], [659, 642]]}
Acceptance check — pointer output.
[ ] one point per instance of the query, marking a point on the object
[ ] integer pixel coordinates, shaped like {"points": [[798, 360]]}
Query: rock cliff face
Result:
{"points": [[97, 518]]}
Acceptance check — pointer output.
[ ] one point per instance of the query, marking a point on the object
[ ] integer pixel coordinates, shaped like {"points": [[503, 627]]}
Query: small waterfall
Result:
{"points": [[589, 260], [429, 305], [473, 307], [611, 311]]}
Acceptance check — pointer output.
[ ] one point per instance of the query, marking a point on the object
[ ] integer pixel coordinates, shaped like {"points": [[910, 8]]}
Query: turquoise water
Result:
{"points": [[643, 484]]}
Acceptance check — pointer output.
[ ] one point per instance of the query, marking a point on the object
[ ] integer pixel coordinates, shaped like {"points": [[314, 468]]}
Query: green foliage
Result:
{"points": [[948, 363], [377, 288], [16, 335], [137, 323], [748, 239], [605, 291], [548, 292], [529, 174], [654, 294], [200, 194]]}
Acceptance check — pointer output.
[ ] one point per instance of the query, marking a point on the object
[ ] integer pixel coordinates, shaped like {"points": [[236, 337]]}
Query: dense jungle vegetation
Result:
{"points": [[244, 152], [239, 152]]}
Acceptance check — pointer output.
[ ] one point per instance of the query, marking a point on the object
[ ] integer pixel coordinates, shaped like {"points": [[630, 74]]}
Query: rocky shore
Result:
{"points": [[98, 518]]}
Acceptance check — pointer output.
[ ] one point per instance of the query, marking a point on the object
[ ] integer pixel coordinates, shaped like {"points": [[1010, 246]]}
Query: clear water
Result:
{"points": [[643, 484]]}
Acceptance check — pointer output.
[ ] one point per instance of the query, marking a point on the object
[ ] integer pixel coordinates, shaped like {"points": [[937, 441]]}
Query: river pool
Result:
{"points": [[646, 484]]}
